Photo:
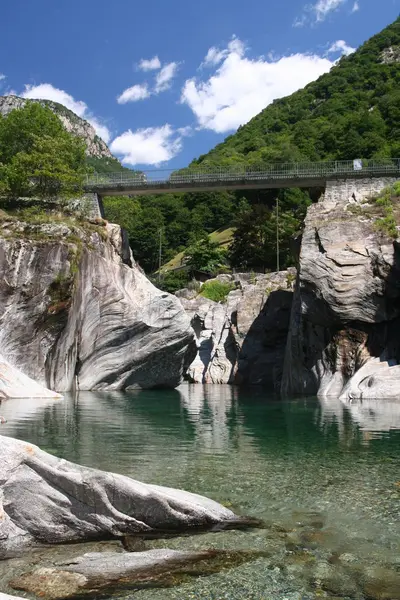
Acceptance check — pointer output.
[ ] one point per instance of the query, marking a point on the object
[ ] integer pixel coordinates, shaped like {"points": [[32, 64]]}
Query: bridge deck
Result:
{"points": [[290, 175]]}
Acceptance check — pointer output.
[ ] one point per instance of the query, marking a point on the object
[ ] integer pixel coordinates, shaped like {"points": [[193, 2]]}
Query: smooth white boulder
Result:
{"points": [[375, 379], [14, 384], [48, 500], [78, 313]]}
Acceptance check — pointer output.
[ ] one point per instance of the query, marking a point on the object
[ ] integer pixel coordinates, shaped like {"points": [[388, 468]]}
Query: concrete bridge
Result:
{"points": [[268, 176]]}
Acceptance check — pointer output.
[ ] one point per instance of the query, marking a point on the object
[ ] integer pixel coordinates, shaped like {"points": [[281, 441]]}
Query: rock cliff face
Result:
{"points": [[95, 146], [345, 325], [243, 340], [76, 310]]}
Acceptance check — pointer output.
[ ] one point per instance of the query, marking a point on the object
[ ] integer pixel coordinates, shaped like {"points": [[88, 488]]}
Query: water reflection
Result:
{"points": [[216, 417], [367, 419], [212, 419]]}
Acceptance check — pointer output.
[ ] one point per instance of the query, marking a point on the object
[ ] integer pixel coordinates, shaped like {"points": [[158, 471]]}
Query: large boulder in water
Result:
{"points": [[48, 500]]}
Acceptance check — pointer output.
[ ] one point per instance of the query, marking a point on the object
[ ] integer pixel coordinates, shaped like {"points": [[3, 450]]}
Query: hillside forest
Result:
{"points": [[351, 112]]}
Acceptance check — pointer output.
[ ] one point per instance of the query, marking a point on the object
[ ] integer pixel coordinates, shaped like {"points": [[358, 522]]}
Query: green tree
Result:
{"points": [[38, 157], [205, 255], [254, 244]]}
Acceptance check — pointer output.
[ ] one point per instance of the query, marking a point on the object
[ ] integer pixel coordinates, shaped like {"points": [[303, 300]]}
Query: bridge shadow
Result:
{"points": [[261, 357]]}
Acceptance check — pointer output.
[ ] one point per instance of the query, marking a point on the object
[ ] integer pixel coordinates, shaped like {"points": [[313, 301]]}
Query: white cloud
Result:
{"points": [[241, 87], [300, 21], [323, 7], [342, 47], [318, 12], [162, 83], [150, 65], [185, 131], [356, 7], [213, 57], [151, 146], [101, 129], [165, 76], [46, 91], [134, 93], [2, 76]]}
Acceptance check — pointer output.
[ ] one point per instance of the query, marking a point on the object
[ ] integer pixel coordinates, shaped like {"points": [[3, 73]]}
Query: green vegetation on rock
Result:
{"points": [[387, 201], [216, 290], [205, 255]]}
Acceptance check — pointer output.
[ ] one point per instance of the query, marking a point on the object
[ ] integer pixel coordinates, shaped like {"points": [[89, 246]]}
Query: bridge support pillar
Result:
{"points": [[100, 206], [92, 206], [357, 189]]}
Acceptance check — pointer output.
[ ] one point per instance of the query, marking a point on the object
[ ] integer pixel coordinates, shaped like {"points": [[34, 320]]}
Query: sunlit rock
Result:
{"points": [[47, 500], [242, 340], [78, 312], [346, 308], [14, 384], [97, 571]]}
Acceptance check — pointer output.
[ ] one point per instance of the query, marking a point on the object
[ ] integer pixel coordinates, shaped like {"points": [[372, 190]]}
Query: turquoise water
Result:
{"points": [[324, 478]]}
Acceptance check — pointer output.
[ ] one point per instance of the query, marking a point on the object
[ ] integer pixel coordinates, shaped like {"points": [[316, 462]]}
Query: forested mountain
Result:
{"points": [[352, 111]]}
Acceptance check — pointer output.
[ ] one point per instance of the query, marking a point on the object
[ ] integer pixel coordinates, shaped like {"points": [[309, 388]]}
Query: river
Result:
{"points": [[323, 477]]}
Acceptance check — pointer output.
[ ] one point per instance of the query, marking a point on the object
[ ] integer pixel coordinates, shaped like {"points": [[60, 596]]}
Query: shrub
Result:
{"points": [[172, 282], [216, 290], [387, 223]]}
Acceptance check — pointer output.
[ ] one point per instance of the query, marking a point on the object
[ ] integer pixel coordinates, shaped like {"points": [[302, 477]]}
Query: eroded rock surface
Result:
{"points": [[344, 329], [14, 384], [75, 310], [47, 500], [243, 340]]}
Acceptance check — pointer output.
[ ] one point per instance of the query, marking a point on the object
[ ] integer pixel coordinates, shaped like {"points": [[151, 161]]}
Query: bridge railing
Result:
{"points": [[245, 173]]}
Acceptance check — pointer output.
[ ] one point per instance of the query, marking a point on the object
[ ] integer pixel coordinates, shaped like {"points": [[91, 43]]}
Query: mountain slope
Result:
{"points": [[352, 111], [96, 147]]}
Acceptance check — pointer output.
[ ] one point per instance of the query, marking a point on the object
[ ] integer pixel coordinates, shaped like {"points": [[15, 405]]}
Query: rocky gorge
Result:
{"points": [[90, 319], [332, 330], [242, 341]]}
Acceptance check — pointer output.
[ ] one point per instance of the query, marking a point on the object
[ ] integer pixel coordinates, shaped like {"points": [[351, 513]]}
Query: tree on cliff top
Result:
{"points": [[38, 157]]}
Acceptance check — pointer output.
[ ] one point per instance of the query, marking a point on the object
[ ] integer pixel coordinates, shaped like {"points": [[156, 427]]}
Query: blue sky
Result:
{"points": [[164, 82]]}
